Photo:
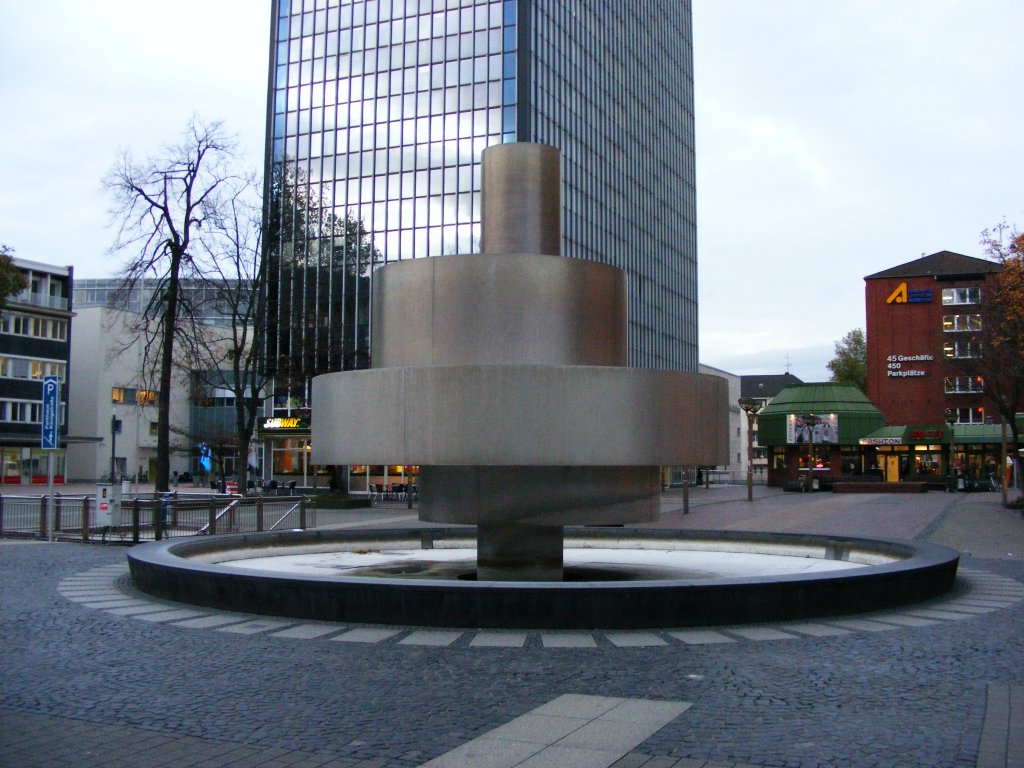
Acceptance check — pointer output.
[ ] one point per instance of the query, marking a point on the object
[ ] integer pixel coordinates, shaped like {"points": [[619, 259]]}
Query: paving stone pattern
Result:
{"points": [[88, 680]]}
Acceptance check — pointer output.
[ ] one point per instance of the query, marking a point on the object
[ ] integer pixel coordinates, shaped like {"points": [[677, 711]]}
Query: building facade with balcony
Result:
{"points": [[35, 342]]}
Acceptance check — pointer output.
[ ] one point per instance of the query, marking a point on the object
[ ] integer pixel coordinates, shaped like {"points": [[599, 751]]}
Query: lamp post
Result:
{"points": [[811, 421], [1002, 459], [950, 421], [750, 407], [113, 445]]}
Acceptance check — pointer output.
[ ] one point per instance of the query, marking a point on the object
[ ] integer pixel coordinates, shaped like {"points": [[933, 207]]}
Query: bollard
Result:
{"points": [[85, 519], [259, 514], [42, 516], [1, 514], [211, 527], [302, 513], [57, 499]]}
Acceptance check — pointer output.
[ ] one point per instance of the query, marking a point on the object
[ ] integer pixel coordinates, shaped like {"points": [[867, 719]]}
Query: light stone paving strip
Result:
{"points": [[210, 622], [430, 637], [499, 640], [761, 633], [366, 635], [860, 625], [567, 640], [701, 637], [572, 731], [905, 620], [634, 639], [255, 627], [928, 613], [816, 630], [307, 631], [176, 615], [119, 603], [98, 588], [136, 611]]}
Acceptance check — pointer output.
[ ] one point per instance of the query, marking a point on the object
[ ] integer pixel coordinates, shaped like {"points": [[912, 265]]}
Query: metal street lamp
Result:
{"points": [[950, 421], [811, 421], [751, 407], [113, 446]]}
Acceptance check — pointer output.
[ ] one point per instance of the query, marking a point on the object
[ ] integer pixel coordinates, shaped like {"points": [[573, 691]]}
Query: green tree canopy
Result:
{"points": [[850, 365], [12, 281]]}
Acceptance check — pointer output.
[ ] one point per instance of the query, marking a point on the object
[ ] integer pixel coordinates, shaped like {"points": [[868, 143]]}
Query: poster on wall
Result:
{"points": [[825, 430]]}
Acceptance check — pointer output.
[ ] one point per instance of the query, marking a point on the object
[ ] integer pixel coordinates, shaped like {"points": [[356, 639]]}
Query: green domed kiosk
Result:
{"points": [[812, 434]]}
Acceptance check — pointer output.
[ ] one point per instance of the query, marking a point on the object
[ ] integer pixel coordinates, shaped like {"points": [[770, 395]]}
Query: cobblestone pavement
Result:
{"points": [[83, 686]]}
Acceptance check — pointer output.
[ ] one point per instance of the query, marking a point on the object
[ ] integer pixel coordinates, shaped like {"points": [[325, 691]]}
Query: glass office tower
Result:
{"points": [[378, 111]]}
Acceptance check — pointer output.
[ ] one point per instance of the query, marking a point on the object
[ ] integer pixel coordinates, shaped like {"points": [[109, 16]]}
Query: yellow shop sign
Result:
{"points": [[286, 422]]}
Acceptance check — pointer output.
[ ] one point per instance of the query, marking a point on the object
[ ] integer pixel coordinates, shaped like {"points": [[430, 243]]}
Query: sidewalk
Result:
{"points": [[96, 674]]}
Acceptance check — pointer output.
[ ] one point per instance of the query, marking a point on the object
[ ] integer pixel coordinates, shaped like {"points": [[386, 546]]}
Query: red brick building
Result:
{"points": [[919, 317]]}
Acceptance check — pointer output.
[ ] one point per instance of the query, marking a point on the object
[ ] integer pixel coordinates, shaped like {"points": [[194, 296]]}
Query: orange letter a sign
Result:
{"points": [[899, 296]]}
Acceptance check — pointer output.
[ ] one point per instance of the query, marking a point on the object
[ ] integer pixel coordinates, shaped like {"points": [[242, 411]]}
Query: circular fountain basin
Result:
{"points": [[614, 578]]}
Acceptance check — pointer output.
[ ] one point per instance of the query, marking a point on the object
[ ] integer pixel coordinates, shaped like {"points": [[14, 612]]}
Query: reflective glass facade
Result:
{"points": [[378, 111]]}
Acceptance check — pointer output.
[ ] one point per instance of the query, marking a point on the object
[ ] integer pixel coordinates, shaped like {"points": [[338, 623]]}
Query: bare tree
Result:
{"points": [[228, 355], [160, 207]]}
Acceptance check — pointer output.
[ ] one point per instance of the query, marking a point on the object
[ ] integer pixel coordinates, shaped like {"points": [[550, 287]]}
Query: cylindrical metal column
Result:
{"points": [[521, 199]]}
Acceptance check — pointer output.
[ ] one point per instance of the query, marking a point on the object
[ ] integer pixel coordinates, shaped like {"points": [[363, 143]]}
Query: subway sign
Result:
{"points": [[903, 295], [284, 425]]}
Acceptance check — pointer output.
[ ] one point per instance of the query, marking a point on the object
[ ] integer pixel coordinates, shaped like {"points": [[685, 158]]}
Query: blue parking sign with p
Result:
{"points": [[51, 412]]}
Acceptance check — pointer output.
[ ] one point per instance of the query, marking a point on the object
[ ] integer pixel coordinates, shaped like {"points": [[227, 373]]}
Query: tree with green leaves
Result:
{"points": [[850, 365], [12, 280]]}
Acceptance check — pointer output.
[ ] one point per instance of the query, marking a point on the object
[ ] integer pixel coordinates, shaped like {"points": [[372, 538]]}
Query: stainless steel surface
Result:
{"points": [[520, 415], [486, 309], [539, 496], [521, 199], [502, 375], [508, 552]]}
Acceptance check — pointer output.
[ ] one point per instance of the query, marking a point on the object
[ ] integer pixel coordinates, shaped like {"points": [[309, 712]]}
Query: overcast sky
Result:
{"points": [[834, 140]]}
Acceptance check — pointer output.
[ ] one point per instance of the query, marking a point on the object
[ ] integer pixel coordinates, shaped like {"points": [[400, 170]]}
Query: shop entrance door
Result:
{"points": [[892, 469]]}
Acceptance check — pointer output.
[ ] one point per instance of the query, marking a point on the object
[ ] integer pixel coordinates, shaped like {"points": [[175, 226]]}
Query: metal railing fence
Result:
{"points": [[149, 518]]}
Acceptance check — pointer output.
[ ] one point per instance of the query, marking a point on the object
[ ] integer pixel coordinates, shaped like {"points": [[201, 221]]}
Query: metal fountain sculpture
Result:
{"points": [[503, 374]]}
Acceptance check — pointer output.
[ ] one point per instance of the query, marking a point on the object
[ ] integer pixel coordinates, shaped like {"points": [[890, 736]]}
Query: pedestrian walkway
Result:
{"points": [[96, 674], [108, 588]]}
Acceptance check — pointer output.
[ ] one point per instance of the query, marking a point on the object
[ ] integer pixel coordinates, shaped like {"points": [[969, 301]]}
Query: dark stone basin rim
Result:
{"points": [[164, 569]]}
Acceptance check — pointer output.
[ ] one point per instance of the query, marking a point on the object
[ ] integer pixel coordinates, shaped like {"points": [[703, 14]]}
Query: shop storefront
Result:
{"points": [[914, 453], [287, 450], [28, 466], [970, 453], [812, 434]]}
